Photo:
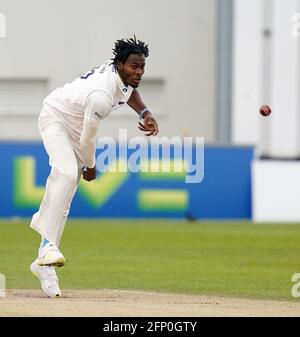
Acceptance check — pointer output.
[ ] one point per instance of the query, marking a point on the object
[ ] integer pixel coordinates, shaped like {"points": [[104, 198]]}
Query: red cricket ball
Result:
{"points": [[265, 110]]}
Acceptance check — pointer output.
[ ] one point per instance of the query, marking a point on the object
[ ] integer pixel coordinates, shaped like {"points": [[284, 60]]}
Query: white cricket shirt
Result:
{"points": [[69, 101], [78, 102]]}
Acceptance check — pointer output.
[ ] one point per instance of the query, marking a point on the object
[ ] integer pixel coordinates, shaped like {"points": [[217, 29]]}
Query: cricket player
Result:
{"points": [[68, 124]]}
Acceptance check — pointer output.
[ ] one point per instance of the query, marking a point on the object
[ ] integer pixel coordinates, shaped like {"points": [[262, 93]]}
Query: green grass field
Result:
{"points": [[237, 259]]}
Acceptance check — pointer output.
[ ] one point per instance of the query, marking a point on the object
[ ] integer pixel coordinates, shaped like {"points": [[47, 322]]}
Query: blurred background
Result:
{"points": [[212, 64]]}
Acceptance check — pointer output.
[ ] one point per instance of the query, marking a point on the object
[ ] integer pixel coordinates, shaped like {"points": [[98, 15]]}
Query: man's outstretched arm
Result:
{"points": [[149, 124]]}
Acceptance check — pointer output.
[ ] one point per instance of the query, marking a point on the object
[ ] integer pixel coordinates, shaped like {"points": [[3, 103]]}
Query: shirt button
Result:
{"points": [[125, 90]]}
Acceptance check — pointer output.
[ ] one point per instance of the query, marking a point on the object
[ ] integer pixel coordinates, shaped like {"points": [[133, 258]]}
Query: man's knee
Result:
{"points": [[70, 175]]}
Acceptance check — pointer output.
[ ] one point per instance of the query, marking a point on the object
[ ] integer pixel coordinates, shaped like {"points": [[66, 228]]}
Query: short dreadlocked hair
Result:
{"points": [[124, 47]]}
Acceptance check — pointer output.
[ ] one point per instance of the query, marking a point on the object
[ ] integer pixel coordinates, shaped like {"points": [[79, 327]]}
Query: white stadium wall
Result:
{"points": [[247, 51], [275, 191], [285, 122], [51, 42], [266, 71]]}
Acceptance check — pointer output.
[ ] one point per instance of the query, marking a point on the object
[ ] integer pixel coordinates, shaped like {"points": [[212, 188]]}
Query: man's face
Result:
{"points": [[132, 70]]}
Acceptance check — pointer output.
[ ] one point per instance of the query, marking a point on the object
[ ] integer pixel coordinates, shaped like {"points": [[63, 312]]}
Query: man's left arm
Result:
{"points": [[149, 124]]}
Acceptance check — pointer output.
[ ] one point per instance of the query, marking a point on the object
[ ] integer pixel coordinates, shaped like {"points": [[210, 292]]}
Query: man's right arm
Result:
{"points": [[97, 108]]}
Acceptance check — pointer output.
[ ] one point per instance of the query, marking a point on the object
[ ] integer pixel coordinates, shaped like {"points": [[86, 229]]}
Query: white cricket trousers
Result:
{"points": [[62, 182]]}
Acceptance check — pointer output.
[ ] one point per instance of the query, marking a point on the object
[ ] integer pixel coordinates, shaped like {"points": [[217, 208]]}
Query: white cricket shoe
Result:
{"points": [[50, 255], [47, 277]]}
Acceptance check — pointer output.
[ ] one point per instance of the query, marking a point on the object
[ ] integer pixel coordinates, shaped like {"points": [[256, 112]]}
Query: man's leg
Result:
{"points": [[67, 209], [61, 184], [46, 273]]}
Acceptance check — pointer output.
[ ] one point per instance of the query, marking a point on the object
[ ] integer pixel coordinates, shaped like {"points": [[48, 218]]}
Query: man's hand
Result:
{"points": [[89, 174], [149, 125]]}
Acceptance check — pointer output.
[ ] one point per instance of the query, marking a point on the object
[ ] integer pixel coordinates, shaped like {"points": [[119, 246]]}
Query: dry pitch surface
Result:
{"points": [[137, 303]]}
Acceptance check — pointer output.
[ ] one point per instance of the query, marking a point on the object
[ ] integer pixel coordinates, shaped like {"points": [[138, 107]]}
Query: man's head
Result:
{"points": [[129, 60]]}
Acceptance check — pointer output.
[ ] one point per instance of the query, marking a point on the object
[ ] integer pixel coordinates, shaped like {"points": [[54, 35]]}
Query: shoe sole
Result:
{"points": [[56, 263]]}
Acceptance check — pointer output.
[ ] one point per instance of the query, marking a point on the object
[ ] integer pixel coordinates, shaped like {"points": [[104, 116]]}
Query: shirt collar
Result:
{"points": [[124, 89]]}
